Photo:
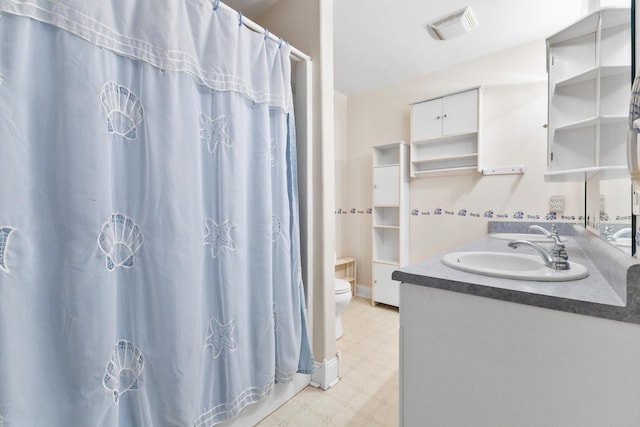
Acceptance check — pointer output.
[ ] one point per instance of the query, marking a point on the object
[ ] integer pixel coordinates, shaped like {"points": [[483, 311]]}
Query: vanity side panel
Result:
{"points": [[471, 361]]}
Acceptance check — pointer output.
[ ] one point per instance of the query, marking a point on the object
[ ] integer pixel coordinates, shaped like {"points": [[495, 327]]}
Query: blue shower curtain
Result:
{"points": [[149, 240]]}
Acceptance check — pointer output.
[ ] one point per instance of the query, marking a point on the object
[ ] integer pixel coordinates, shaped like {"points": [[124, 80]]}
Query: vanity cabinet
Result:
{"points": [[445, 133], [467, 360], [390, 242], [589, 67]]}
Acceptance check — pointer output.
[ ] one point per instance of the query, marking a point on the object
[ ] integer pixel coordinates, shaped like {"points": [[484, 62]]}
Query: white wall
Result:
{"points": [[515, 111]]}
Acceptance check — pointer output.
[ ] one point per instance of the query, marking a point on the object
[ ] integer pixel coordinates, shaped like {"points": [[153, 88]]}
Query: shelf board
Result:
{"points": [[392, 227], [588, 75], [428, 141], [445, 170], [591, 121], [441, 159], [615, 70], [614, 172], [386, 165], [584, 174], [610, 120], [571, 175], [592, 74], [387, 261]]}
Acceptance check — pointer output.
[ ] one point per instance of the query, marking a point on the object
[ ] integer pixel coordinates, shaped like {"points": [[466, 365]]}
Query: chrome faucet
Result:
{"points": [[544, 230], [557, 259]]}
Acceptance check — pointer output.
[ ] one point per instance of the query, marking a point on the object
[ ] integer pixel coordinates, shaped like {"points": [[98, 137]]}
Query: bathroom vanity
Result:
{"points": [[485, 351]]}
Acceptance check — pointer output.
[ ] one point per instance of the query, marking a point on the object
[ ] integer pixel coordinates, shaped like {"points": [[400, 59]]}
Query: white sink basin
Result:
{"points": [[532, 237], [512, 266]]}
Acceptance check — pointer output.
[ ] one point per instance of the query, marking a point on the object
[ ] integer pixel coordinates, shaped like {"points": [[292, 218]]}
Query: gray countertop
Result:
{"points": [[611, 291]]}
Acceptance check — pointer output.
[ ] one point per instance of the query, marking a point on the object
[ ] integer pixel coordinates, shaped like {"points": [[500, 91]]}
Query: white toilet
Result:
{"points": [[343, 296]]}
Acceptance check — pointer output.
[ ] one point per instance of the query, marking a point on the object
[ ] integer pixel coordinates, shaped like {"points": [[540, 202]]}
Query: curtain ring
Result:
{"points": [[266, 34], [280, 43], [216, 5], [240, 19]]}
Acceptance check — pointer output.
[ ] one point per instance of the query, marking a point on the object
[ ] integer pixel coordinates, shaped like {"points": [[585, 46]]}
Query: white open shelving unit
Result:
{"points": [[589, 90], [390, 219]]}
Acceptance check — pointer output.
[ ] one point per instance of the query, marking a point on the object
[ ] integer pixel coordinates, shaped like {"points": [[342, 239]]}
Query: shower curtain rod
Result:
{"points": [[296, 55]]}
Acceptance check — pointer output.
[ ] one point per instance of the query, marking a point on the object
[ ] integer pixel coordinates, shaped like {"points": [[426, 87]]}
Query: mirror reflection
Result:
{"points": [[615, 213]]}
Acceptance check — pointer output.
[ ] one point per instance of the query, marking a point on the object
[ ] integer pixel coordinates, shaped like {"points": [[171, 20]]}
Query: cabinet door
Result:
{"points": [[460, 113], [385, 290], [426, 120], [386, 185]]}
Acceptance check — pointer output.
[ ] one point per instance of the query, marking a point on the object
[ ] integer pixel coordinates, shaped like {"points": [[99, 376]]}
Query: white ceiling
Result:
{"points": [[380, 42]]}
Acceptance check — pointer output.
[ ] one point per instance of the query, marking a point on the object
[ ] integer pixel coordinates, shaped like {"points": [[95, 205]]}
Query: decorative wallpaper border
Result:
{"points": [[489, 214]]}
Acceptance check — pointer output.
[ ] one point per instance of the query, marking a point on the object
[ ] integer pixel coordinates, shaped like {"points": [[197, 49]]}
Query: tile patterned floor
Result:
{"points": [[367, 393]]}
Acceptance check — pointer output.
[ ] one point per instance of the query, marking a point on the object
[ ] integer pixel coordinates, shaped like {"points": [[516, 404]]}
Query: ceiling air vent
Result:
{"points": [[456, 23]]}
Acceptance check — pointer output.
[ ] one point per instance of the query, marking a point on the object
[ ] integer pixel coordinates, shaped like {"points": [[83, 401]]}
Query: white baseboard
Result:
{"points": [[326, 373], [363, 291]]}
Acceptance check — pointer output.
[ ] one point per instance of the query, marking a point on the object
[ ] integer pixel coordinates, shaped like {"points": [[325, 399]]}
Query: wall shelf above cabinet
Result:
{"points": [[593, 121], [589, 66], [446, 164], [445, 133], [593, 74]]}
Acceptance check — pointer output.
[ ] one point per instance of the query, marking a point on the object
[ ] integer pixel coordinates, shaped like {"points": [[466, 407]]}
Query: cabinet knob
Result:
{"points": [[445, 115], [437, 117]]}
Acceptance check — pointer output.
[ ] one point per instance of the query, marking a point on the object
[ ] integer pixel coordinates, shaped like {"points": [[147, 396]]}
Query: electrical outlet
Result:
{"points": [[556, 204], [603, 206]]}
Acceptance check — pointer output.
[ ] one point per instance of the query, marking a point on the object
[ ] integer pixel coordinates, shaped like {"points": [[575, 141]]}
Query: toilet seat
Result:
{"points": [[342, 287]]}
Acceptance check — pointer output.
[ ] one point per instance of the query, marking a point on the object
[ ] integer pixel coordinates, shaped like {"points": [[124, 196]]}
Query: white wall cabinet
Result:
{"points": [[445, 133], [390, 241], [589, 66]]}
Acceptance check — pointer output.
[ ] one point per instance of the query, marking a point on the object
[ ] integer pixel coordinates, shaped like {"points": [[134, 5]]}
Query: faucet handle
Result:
{"points": [[556, 240]]}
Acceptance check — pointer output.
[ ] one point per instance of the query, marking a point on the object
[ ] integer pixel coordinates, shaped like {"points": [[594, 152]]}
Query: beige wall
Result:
{"points": [[308, 25], [341, 158], [514, 109]]}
